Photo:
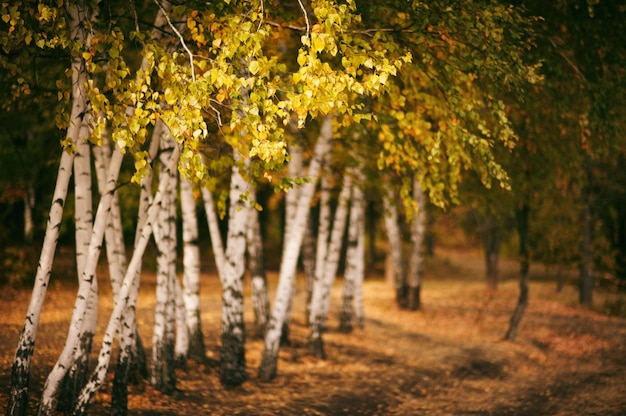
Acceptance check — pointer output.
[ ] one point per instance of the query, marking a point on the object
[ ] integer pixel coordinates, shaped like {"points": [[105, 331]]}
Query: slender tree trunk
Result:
{"points": [[75, 377], [181, 346], [491, 243], [294, 169], [394, 236], [322, 289], [65, 360], [163, 376], [127, 296], [232, 357], [416, 263], [20, 372], [214, 232], [191, 272], [586, 279], [29, 206], [293, 243], [258, 279], [323, 236], [522, 302], [355, 261]]}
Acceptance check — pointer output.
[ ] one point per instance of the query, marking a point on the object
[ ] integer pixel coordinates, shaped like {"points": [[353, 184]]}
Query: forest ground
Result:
{"points": [[449, 358]]}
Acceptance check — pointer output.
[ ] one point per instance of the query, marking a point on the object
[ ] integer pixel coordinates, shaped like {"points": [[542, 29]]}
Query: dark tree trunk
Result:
{"points": [[522, 302], [586, 280], [491, 243]]}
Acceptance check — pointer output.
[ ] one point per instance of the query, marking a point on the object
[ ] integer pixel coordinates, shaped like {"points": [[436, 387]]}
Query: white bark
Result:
{"points": [[232, 356], [323, 235], [163, 377], [258, 279], [320, 300], [267, 371], [355, 264], [83, 219], [26, 345], [416, 263], [124, 299], [214, 232], [88, 276], [394, 237], [191, 270]]}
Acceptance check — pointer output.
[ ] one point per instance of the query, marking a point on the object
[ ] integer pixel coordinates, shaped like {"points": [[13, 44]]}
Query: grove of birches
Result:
{"points": [[280, 131]]}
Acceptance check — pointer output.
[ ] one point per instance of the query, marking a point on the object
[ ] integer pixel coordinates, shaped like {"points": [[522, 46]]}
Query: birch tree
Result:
{"points": [[352, 300], [20, 372], [191, 270]]}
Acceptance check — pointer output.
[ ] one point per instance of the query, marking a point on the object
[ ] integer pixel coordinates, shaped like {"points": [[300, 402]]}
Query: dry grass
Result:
{"points": [[448, 358]]}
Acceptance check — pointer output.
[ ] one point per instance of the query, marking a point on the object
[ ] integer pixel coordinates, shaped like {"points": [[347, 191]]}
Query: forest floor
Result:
{"points": [[449, 358]]}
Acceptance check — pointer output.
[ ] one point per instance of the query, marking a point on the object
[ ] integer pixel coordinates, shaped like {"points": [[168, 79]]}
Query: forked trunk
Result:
{"points": [[127, 296], [87, 281], [20, 372]]}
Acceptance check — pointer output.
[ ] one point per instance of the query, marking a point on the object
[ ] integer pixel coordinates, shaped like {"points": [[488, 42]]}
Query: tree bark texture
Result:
{"points": [[416, 262], [320, 301], [355, 261], [268, 368], [258, 279], [127, 296], [394, 237], [87, 280], [163, 376], [191, 270], [20, 371], [232, 351]]}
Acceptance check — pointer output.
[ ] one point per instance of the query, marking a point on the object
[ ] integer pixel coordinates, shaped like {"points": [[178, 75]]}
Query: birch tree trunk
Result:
{"points": [[214, 232], [163, 376], [491, 243], [294, 169], [268, 368], [323, 235], [355, 262], [320, 300], [191, 270], [232, 351], [83, 218], [127, 297], [522, 301], [75, 331], [258, 279], [394, 237], [20, 371], [416, 264]]}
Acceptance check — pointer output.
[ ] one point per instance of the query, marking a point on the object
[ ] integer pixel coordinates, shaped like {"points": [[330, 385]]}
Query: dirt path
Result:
{"points": [[446, 359]]}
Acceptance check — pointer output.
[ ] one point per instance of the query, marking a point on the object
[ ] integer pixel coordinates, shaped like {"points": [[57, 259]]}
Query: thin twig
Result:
{"points": [[306, 18], [182, 40]]}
